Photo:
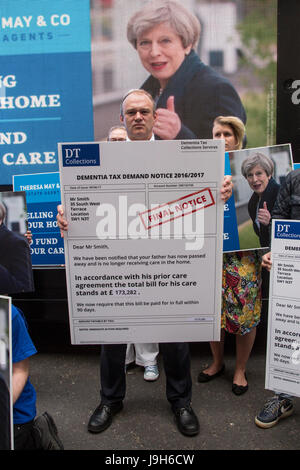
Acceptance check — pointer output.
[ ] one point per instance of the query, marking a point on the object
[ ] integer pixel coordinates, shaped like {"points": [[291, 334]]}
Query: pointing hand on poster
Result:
{"points": [[167, 123]]}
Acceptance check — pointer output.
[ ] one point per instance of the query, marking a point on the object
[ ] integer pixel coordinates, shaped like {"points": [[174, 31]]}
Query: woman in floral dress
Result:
{"points": [[241, 287]]}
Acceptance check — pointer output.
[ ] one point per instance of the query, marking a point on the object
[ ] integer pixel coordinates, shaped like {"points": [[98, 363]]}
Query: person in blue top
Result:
{"points": [[30, 432]]}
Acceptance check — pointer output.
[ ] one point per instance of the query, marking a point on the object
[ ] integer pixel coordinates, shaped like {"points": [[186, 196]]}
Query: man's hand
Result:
{"points": [[61, 221], [226, 190], [266, 261], [264, 215], [28, 236], [167, 123]]}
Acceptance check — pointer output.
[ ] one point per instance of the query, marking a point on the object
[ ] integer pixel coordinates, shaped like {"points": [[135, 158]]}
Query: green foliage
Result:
{"points": [[247, 236], [258, 32], [256, 109]]}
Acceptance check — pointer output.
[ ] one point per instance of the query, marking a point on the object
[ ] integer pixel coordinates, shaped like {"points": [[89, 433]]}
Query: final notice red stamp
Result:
{"points": [[177, 208]]}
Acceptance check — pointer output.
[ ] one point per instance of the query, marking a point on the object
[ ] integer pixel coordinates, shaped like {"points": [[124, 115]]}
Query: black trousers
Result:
{"points": [[25, 438], [176, 358]]}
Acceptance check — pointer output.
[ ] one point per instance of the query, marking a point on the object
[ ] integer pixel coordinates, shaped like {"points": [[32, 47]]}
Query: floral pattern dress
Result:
{"points": [[241, 289]]}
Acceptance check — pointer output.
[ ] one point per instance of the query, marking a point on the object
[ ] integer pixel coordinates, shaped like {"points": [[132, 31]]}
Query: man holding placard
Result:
{"points": [[138, 115]]}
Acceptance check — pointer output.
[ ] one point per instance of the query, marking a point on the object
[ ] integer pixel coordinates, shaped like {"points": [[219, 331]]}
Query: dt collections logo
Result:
{"points": [[80, 155]]}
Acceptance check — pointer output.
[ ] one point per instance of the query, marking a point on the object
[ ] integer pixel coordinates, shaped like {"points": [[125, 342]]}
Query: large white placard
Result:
{"points": [[283, 348], [144, 243]]}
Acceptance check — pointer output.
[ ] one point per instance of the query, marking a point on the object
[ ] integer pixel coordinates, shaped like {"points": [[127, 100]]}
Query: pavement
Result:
{"points": [[67, 385]]}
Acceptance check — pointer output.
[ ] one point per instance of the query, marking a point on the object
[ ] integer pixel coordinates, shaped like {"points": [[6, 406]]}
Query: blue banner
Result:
{"points": [[42, 197], [45, 83]]}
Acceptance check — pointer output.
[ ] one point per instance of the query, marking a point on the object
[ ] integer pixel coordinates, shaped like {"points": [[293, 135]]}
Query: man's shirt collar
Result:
{"points": [[129, 140]]}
